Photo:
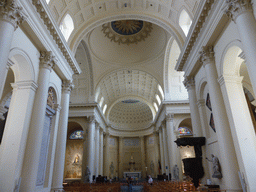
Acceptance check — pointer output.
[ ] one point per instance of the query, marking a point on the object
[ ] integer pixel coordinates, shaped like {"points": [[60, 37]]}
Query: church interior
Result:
{"points": [[122, 89]]}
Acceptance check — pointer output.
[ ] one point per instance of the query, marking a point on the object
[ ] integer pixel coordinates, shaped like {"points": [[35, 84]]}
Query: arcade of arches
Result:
{"points": [[100, 87]]}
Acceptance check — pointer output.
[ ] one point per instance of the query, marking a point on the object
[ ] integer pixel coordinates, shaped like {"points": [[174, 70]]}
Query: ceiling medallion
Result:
{"points": [[127, 31]]}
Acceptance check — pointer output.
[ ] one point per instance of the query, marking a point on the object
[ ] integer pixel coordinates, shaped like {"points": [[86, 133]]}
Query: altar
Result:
{"points": [[132, 174]]}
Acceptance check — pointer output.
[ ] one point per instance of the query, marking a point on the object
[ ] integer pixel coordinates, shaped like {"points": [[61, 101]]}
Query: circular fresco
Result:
{"points": [[127, 27], [127, 31]]}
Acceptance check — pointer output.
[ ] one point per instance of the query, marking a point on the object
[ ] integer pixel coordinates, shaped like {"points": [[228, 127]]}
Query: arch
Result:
{"points": [[57, 92], [67, 26], [185, 21], [77, 123], [200, 88], [86, 28], [171, 56], [131, 97], [230, 62], [23, 68], [88, 56], [179, 122]]}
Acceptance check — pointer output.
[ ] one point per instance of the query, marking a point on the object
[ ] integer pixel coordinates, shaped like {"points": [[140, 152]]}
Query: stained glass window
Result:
{"points": [[184, 131], [78, 134]]}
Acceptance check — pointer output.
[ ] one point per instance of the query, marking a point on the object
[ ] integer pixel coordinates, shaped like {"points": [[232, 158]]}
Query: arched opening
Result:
{"points": [[185, 21], [67, 26], [74, 152]]}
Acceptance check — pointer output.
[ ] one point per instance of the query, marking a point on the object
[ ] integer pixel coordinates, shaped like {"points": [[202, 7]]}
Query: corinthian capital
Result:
{"points": [[207, 54], [169, 117], [9, 11], [189, 82], [237, 7], [47, 60], [67, 85]]}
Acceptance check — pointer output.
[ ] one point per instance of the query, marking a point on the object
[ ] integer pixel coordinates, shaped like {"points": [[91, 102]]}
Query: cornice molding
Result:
{"points": [[54, 33], [67, 86]]}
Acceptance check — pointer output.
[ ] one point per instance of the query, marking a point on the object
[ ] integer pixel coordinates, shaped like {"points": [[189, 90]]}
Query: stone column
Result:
{"points": [[143, 156], [161, 150], [227, 153], [157, 151], [97, 149], [91, 146], [204, 123], [101, 153], [15, 134], [106, 155], [189, 83], [59, 161], [35, 136], [241, 13], [171, 137], [242, 128], [11, 16], [3, 79], [84, 159], [166, 152], [120, 165]]}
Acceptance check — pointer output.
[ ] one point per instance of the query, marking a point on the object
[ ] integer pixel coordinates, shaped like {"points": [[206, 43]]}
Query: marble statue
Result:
{"points": [[216, 167], [176, 172]]}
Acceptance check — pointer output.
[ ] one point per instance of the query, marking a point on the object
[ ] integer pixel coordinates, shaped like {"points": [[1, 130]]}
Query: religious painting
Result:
{"points": [[208, 102], [212, 123]]}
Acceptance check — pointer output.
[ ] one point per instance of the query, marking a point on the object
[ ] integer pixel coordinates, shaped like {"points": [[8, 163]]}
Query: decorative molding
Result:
{"points": [[206, 8], [11, 12], [57, 107], [121, 34], [237, 7], [54, 33], [47, 60], [201, 103], [25, 85], [242, 56], [230, 79], [189, 83], [9, 64], [207, 55]]}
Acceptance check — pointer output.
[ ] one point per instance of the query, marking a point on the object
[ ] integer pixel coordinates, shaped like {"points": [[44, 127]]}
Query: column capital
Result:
{"points": [[163, 123], [10, 12], [156, 133], [189, 82], [91, 119], [207, 55], [169, 117], [47, 60], [237, 7], [67, 86]]}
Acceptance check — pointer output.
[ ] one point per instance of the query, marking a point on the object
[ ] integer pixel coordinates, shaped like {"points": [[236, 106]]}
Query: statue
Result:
{"points": [[87, 175], [111, 168], [216, 167], [77, 159], [176, 172]]}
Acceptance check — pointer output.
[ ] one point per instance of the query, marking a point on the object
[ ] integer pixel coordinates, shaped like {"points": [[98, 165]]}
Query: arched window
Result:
{"points": [[184, 131], [104, 108], [47, 1], [185, 21], [161, 91], [78, 134], [158, 99], [67, 26], [156, 107]]}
